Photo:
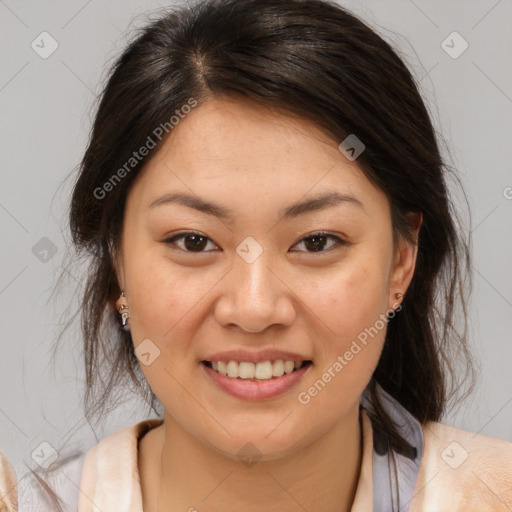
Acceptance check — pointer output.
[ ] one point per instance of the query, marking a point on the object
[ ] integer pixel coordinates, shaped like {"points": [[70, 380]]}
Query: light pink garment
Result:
{"points": [[446, 483], [463, 471], [460, 472], [110, 479], [8, 494]]}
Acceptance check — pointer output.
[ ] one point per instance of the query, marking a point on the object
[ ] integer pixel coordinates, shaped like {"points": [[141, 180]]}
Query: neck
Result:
{"points": [[179, 472]]}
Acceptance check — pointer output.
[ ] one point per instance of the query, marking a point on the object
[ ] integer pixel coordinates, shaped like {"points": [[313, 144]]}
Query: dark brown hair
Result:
{"points": [[314, 60]]}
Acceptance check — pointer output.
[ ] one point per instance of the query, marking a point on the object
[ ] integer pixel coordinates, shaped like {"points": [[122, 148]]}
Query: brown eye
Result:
{"points": [[318, 241], [192, 242], [196, 242]]}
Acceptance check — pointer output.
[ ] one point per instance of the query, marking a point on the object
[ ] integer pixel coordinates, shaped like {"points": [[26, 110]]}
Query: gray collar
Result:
{"points": [[394, 474]]}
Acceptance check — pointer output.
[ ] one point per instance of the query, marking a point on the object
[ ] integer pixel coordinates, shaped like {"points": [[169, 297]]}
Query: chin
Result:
{"points": [[257, 443]]}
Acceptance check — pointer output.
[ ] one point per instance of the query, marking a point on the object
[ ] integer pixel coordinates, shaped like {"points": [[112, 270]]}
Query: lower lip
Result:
{"points": [[253, 390]]}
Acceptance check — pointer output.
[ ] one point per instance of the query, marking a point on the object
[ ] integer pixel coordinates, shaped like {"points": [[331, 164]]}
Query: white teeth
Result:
{"points": [[264, 370], [246, 370], [232, 369], [289, 366], [278, 368], [223, 370]]}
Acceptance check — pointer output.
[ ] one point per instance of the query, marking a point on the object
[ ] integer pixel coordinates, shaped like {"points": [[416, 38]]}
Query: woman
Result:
{"points": [[265, 207]]}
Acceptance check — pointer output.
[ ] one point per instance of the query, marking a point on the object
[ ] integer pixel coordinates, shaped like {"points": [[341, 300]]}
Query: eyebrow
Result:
{"points": [[294, 210]]}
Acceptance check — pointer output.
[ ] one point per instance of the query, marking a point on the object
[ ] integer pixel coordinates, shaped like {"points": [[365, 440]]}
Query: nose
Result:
{"points": [[255, 297]]}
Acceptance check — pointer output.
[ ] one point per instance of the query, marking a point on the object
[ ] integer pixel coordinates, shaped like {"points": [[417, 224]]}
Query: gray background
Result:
{"points": [[46, 110]]}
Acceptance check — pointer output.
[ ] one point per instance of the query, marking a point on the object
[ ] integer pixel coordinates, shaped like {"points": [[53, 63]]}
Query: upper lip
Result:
{"points": [[255, 357]]}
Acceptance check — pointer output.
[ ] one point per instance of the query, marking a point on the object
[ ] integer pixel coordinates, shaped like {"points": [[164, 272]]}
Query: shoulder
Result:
{"points": [[57, 485], [462, 470], [110, 476], [63, 482], [8, 480], [121, 445], [33, 490]]}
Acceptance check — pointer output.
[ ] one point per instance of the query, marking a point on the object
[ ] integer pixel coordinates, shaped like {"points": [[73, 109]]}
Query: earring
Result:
{"points": [[122, 307], [392, 312], [398, 295]]}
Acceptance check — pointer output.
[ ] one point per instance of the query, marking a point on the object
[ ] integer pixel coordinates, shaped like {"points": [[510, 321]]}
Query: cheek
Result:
{"points": [[349, 338], [162, 296], [348, 301], [158, 298], [164, 307]]}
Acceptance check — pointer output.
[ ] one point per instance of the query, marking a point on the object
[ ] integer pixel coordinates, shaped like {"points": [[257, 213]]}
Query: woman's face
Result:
{"points": [[256, 282]]}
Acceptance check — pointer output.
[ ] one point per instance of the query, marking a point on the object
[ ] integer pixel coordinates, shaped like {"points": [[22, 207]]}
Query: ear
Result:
{"points": [[117, 262], [405, 260]]}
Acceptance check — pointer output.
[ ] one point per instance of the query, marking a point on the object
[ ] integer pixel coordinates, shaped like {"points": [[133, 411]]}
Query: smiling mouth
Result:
{"points": [[256, 372]]}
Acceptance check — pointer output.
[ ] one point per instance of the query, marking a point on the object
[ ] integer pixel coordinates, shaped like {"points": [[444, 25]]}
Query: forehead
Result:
{"points": [[234, 148], [227, 127]]}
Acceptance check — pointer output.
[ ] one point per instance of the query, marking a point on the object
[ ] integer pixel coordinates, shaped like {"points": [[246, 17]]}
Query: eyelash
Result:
{"points": [[338, 240]]}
